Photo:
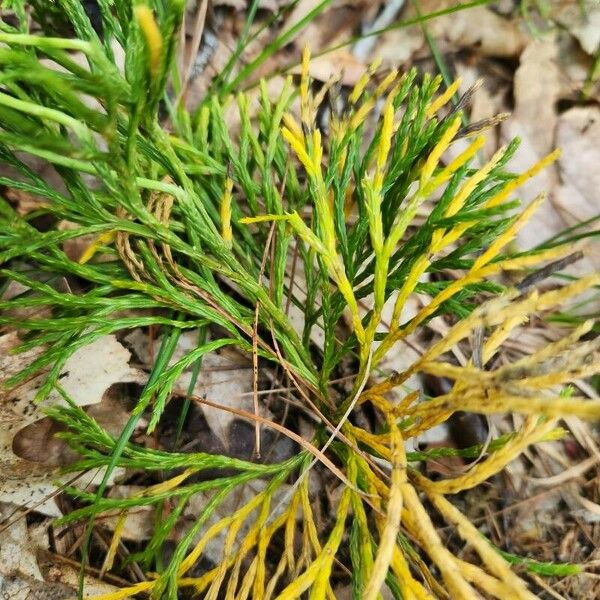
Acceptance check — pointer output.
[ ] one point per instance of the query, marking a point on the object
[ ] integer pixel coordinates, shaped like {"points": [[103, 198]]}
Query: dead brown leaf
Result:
{"points": [[336, 24], [75, 247], [29, 454], [571, 183], [225, 378], [21, 577], [24, 202], [534, 120], [487, 102], [578, 135], [397, 47], [476, 28], [582, 22], [335, 64]]}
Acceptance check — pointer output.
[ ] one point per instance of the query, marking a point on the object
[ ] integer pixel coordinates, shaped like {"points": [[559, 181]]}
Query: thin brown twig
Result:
{"points": [[263, 263], [76, 565], [335, 432]]}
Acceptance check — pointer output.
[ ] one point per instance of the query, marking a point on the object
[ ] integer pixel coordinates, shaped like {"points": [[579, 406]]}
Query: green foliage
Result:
{"points": [[195, 225]]}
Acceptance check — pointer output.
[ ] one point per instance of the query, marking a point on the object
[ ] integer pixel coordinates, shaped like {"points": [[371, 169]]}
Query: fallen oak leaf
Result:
{"points": [[28, 478], [29, 572]]}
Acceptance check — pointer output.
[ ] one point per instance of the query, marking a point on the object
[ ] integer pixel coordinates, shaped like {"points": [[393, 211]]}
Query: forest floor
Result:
{"points": [[539, 66]]}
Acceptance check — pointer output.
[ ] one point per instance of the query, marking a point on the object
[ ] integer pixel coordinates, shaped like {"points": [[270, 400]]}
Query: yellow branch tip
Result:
{"points": [[151, 33]]}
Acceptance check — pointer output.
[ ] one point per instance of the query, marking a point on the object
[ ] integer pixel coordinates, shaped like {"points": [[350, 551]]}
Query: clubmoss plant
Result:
{"points": [[195, 227]]}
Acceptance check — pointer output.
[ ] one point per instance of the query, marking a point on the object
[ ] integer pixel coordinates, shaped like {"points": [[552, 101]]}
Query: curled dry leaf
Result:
{"points": [[335, 64], [226, 379], [534, 120], [571, 183], [86, 377], [582, 19], [337, 23], [477, 27], [578, 135], [398, 46], [487, 102], [28, 572]]}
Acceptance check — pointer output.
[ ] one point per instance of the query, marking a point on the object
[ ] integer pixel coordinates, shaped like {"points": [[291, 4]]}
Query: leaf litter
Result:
{"points": [[572, 185], [26, 434]]}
